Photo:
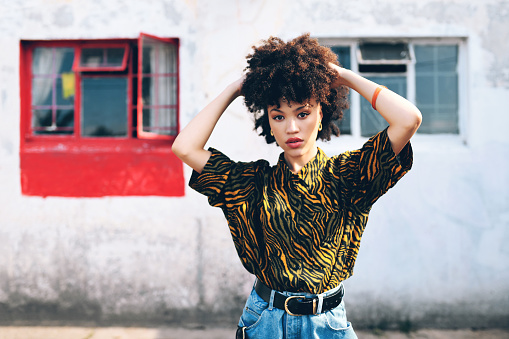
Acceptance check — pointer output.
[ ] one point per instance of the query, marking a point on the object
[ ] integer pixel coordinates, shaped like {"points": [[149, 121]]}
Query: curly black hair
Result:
{"points": [[295, 71]]}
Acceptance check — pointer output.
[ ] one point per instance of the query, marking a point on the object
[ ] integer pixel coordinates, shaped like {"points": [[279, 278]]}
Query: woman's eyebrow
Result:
{"points": [[276, 109], [302, 107], [295, 110]]}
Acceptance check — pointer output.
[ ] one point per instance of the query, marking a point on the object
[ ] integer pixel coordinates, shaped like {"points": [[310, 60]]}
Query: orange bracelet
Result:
{"points": [[375, 95]]}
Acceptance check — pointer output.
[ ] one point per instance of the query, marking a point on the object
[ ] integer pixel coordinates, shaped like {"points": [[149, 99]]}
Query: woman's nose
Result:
{"points": [[291, 126]]}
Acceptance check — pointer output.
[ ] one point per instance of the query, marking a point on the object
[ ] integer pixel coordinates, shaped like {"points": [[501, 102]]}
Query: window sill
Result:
{"points": [[94, 145], [100, 167]]}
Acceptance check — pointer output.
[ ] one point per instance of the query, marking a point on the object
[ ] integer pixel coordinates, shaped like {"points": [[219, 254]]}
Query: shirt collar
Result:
{"points": [[308, 174]]}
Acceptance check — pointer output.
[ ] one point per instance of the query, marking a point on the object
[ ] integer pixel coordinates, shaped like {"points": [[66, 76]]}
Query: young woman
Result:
{"points": [[297, 225]]}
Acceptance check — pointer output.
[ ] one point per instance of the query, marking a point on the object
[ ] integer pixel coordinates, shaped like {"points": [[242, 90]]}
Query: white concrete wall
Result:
{"points": [[435, 250]]}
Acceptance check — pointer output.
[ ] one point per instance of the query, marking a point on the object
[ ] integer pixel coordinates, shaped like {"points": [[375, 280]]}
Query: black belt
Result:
{"points": [[299, 305]]}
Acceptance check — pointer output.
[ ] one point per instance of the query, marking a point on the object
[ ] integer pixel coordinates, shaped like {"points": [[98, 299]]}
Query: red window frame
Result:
{"points": [[78, 166], [141, 132]]}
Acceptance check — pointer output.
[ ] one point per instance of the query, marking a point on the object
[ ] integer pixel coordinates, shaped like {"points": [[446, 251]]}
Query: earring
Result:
{"points": [[271, 133], [320, 127]]}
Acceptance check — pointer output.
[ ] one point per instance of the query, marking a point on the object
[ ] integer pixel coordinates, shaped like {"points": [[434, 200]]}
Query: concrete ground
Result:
{"points": [[225, 333]]}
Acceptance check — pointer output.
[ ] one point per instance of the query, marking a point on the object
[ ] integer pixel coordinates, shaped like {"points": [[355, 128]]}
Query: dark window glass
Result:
{"points": [[396, 52], [383, 68], [104, 106], [343, 53], [102, 57]]}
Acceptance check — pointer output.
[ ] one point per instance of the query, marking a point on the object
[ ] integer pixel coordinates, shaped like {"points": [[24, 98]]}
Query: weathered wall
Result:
{"points": [[434, 252]]}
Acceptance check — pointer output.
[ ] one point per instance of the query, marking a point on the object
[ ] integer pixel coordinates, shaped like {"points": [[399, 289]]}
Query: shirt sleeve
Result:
{"points": [[372, 170], [224, 181]]}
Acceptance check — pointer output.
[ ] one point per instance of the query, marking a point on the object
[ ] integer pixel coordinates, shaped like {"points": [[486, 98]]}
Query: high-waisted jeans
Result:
{"points": [[263, 321]]}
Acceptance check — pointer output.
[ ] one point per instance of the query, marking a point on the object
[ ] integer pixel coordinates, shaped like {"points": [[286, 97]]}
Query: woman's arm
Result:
{"points": [[403, 117], [189, 144]]}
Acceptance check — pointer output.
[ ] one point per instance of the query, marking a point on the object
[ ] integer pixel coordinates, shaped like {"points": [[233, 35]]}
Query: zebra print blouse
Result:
{"points": [[301, 232]]}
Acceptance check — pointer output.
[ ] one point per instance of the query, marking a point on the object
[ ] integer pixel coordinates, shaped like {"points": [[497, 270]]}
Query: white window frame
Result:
{"points": [[462, 70]]}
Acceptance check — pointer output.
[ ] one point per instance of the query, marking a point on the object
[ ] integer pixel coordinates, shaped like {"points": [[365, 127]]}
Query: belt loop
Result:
{"points": [[271, 302], [320, 304]]}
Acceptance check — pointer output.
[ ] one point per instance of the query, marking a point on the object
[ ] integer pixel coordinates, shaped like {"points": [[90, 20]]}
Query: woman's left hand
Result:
{"points": [[339, 80]]}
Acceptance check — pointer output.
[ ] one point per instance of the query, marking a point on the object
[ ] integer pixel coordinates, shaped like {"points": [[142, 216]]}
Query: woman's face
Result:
{"points": [[295, 128]]}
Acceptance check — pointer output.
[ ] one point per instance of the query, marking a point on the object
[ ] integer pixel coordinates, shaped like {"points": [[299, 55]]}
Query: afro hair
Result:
{"points": [[295, 71]]}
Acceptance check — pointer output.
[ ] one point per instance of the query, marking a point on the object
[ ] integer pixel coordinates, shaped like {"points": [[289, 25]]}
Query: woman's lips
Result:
{"points": [[294, 142]]}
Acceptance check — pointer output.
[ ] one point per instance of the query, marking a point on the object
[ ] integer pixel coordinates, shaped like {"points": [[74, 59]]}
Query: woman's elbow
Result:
{"points": [[413, 119], [417, 118], [178, 149]]}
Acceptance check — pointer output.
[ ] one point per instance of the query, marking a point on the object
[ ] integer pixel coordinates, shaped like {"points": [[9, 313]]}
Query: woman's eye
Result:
{"points": [[303, 114], [278, 117]]}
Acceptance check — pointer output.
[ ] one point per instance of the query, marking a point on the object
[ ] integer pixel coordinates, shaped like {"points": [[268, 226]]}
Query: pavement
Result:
{"points": [[12, 332]]}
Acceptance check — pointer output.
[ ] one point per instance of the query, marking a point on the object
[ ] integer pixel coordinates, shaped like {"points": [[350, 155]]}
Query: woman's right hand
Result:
{"points": [[237, 85]]}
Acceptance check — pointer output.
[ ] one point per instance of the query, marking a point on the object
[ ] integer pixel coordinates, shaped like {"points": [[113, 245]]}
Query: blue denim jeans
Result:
{"points": [[262, 320]]}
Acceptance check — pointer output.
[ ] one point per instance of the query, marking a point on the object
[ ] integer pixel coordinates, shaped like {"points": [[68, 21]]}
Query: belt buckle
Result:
{"points": [[286, 305]]}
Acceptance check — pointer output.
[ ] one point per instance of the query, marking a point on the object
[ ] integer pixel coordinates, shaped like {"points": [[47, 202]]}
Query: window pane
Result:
{"points": [[49, 60], [437, 87], [42, 91], [102, 57], [160, 120], [448, 58], [384, 51], [158, 57], [104, 106], [424, 59], [43, 121], [115, 56], [42, 61], [65, 118], [443, 122], [371, 121], [65, 91], [42, 118], [159, 90], [52, 91], [423, 92], [343, 53], [448, 90], [67, 60], [92, 57]]}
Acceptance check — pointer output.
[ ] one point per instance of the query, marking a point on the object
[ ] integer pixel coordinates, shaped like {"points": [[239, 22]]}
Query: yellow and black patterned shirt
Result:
{"points": [[301, 232]]}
